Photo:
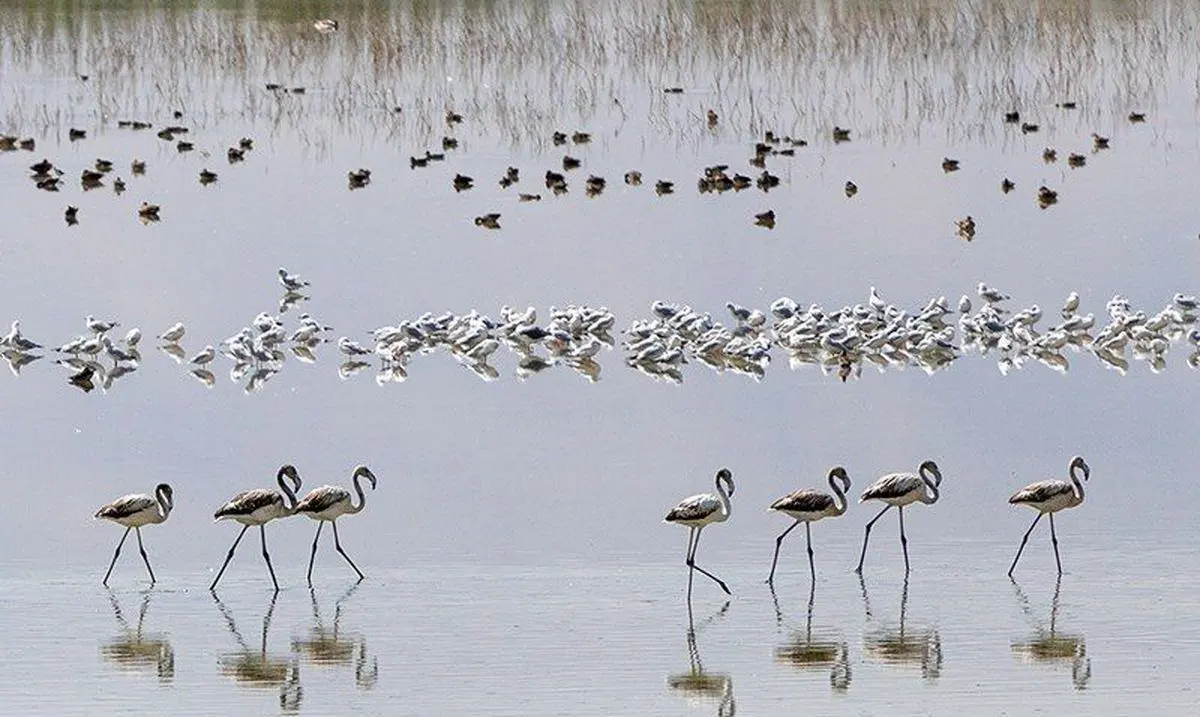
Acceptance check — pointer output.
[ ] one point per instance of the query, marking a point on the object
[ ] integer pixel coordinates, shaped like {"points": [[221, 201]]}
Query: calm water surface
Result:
{"points": [[515, 556]]}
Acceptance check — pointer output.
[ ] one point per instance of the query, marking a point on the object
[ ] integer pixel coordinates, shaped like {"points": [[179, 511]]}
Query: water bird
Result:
{"points": [[8, 143], [291, 282], [662, 187], [633, 178], [1076, 160], [488, 221], [71, 215], [949, 165], [1049, 497], [1049, 155], [696, 512], [96, 326], [103, 165], [118, 186], [82, 379], [359, 178], [529, 197], [808, 506], [204, 357], [1070, 305], [851, 189], [569, 162], [1185, 302], [453, 117], [673, 90], [1046, 196], [1012, 117], [184, 146], [899, 490], [327, 504], [134, 511], [558, 138], [462, 182], [1099, 142], [325, 25], [259, 506], [42, 167], [1136, 117], [449, 143], [840, 134], [133, 337], [90, 176], [76, 134], [966, 228], [765, 219], [28, 144], [350, 347], [246, 144], [207, 177], [148, 212], [173, 334], [138, 167], [711, 116], [297, 90], [990, 295], [1007, 185], [1029, 128], [581, 137]]}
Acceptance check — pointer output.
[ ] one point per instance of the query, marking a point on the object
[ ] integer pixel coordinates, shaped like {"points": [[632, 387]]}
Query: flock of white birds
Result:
{"points": [[837, 341]]}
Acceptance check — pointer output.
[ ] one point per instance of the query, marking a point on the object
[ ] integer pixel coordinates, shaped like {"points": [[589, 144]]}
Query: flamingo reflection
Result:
{"points": [[805, 653], [903, 645], [1050, 647], [135, 649], [325, 646], [254, 668], [698, 686]]}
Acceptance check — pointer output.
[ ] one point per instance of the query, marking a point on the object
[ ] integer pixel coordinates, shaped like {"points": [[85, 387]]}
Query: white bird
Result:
{"points": [[899, 490], [1050, 496], [876, 301], [325, 25], [133, 337], [990, 295], [808, 506], [173, 334], [205, 356], [13, 333], [351, 348], [99, 327], [259, 506], [1187, 303], [134, 511], [700, 510], [327, 504], [964, 304], [116, 354], [291, 282], [1070, 306]]}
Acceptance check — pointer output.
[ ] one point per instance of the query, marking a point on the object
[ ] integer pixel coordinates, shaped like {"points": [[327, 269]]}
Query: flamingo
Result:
{"points": [[259, 507], [700, 510], [327, 504], [808, 506], [1049, 497], [133, 511], [899, 490]]}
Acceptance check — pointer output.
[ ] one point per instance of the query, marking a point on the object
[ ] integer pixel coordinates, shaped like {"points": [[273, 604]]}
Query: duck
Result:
{"points": [[246, 144], [1069, 105], [76, 134], [633, 178], [596, 183], [673, 90], [1007, 185], [512, 174], [1049, 155], [71, 215], [559, 138], [1029, 128], [414, 162], [966, 228], [325, 25], [1012, 117], [711, 116], [554, 178], [840, 134], [462, 182], [453, 117], [569, 162], [48, 184], [449, 143], [581, 137], [137, 166], [1046, 196], [740, 182], [235, 154], [359, 178], [488, 221], [662, 187], [28, 144], [765, 219], [434, 156], [207, 177], [1136, 117], [91, 176], [8, 143], [43, 167], [183, 146], [949, 165], [767, 181], [529, 197], [118, 186], [148, 211], [298, 90], [1076, 160], [851, 188], [1099, 142]]}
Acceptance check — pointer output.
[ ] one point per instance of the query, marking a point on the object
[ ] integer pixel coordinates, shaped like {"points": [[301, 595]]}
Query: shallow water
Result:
{"points": [[515, 556]]}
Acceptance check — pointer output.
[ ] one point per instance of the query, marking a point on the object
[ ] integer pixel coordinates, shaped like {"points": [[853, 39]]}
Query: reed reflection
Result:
{"points": [[136, 649], [1050, 647], [324, 645], [903, 645], [806, 653], [697, 686], [253, 667]]}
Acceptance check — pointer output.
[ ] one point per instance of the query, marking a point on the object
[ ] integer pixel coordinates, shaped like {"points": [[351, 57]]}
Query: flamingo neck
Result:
{"points": [[165, 504], [1078, 485], [839, 502], [726, 507], [362, 497], [932, 496], [287, 490]]}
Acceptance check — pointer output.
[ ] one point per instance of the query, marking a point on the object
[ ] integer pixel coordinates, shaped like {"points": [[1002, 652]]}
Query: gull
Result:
{"points": [[173, 334], [964, 304], [876, 302], [205, 357], [13, 333], [116, 354], [99, 327], [1071, 304], [264, 322], [291, 282], [133, 337], [1187, 303], [352, 348], [990, 295]]}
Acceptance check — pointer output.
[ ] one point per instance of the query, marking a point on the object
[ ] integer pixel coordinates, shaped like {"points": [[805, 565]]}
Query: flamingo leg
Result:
{"points": [[692, 564], [1054, 540], [1025, 539], [313, 557], [688, 560], [866, 537], [228, 558], [778, 543], [812, 569], [903, 540], [262, 531], [145, 559], [116, 555], [338, 545]]}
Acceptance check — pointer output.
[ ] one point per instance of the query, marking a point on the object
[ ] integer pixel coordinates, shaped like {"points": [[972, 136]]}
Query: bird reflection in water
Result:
{"points": [[134, 648], [804, 652], [1051, 647], [253, 667], [903, 645], [698, 686], [325, 646]]}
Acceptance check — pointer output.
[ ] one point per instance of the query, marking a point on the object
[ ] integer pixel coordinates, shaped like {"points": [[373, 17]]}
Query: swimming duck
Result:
{"points": [[462, 182], [673, 90], [1046, 196], [789, 152], [841, 134], [529, 197], [434, 156], [297, 90], [137, 166], [851, 188], [741, 181], [765, 219], [596, 182], [325, 25], [712, 118], [1099, 142], [183, 146], [559, 138], [488, 221], [7, 143], [1137, 117], [570, 162], [359, 178], [207, 177], [235, 155], [554, 178], [1049, 155], [91, 176], [76, 134], [1012, 117], [633, 178], [1067, 105], [246, 144], [1007, 185], [1076, 160], [581, 137], [767, 181], [512, 174], [414, 162], [118, 186], [966, 228], [103, 165], [662, 187], [1028, 128], [949, 165], [71, 215], [148, 211], [48, 184], [273, 86], [449, 143], [453, 117], [42, 167]]}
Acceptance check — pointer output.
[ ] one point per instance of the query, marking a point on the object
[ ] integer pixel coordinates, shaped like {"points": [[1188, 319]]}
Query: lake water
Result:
{"points": [[515, 556]]}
